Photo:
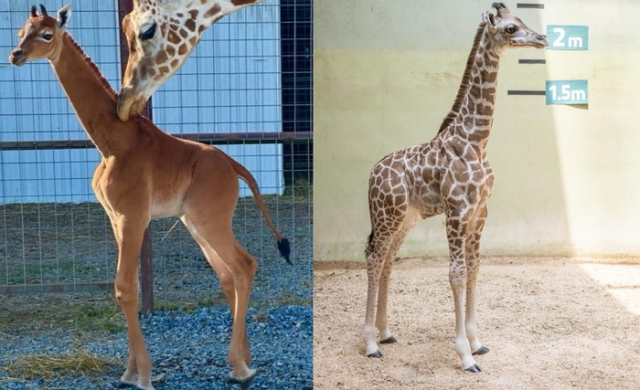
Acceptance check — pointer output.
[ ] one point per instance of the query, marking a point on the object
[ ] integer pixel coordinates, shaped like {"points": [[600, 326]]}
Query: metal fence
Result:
{"points": [[247, 89]]}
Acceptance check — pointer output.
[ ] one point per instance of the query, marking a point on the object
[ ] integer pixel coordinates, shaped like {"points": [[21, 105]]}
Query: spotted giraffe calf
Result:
{"points": [[449, 174]]}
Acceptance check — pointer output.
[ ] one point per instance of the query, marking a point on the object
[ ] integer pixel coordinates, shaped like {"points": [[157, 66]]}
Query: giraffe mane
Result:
{"points": [[92, 66], [464, 86]]}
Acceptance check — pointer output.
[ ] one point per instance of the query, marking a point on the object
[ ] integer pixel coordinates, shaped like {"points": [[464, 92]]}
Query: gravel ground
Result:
{"points": [[190, 349]]}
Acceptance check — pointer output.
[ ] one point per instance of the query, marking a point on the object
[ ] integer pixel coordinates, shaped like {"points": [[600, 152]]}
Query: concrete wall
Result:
{"points": [[567, 177]]}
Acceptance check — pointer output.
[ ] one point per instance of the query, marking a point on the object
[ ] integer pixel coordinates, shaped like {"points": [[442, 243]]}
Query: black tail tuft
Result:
{"points": [[370, 239], [285, 249]]}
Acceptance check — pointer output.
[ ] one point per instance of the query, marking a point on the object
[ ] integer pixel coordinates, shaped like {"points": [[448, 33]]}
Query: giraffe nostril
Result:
{"points": [[17, 53]]}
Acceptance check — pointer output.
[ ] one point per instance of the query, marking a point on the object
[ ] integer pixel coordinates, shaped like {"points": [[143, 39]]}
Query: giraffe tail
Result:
{"points": [[283, 244], [369, 248]]}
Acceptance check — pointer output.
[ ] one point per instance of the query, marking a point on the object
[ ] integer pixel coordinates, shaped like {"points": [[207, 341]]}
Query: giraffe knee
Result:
{"points": [[125, 292], [458, 275], [226, 281]]}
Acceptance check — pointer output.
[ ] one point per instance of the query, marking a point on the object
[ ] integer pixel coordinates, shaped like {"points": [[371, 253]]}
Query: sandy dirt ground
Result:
{"points": [[549, 323]]}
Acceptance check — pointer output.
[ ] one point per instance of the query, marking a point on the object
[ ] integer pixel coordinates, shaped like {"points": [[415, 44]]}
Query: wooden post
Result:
{"points": [[146, 269]]}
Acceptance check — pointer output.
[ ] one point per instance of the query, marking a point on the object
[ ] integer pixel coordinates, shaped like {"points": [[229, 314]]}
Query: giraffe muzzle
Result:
{"points": [[543, 40], [130, 103], [17, 57], [124, 104]]}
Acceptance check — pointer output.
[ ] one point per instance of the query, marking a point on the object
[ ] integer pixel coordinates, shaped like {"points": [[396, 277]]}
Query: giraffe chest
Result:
{"points": [[424, 192], [434, 189], [466, 184]]}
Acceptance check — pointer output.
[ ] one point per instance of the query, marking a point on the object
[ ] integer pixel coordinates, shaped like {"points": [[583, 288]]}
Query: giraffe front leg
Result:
{"points": [[129, 233], [473, 266], [457, 228]]}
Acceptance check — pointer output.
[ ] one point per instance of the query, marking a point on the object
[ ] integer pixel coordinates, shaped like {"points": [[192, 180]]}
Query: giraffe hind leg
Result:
{"points": [[383, 293], [376, 253], [236, 270]]}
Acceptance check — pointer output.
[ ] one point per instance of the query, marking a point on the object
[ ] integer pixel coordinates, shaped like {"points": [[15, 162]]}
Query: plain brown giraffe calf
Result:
{"points": [[145, 173]]}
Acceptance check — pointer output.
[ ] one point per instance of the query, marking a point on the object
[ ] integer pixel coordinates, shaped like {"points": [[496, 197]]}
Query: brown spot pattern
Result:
{"points": [[161, 57], [190, 24], [173, 37], [212, 11], [242, 2]]}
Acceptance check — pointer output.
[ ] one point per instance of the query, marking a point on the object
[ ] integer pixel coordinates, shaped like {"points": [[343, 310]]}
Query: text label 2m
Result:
{"points": [[568, 37]]}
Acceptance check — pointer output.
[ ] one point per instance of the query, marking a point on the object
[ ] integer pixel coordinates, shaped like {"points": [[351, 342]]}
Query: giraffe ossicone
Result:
{"points": [[161, 34], [449, 174]]}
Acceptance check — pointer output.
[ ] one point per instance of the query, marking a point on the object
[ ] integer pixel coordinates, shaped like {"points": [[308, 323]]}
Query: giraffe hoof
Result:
{"points": [[474, 368], [243, 383], [121, 384], [376, 354], [390, 340], [481, 351]]}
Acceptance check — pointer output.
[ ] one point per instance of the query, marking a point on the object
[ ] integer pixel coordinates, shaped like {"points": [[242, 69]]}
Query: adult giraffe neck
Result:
{"points": [[90, 95]]}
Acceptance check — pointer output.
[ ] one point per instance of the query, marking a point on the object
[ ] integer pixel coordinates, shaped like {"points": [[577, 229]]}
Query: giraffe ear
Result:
{"points": [[490, 19], [64, 14]]}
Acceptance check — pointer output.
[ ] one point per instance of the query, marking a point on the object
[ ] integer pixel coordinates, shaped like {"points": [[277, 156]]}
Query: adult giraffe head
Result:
{"points": [[161, 34]]}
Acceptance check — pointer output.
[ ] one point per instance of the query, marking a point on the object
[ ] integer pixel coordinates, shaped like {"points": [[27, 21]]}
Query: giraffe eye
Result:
{"points": [[47, 36], [148, 33], [511, 29]]}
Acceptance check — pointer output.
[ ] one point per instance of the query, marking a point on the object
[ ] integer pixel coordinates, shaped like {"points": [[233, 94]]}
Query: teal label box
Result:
{"points": [[568, 37], [567, 92]]}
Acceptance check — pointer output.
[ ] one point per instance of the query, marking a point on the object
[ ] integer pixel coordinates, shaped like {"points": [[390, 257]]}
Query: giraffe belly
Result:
{"points": [[429, 205], [167, 207]]}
